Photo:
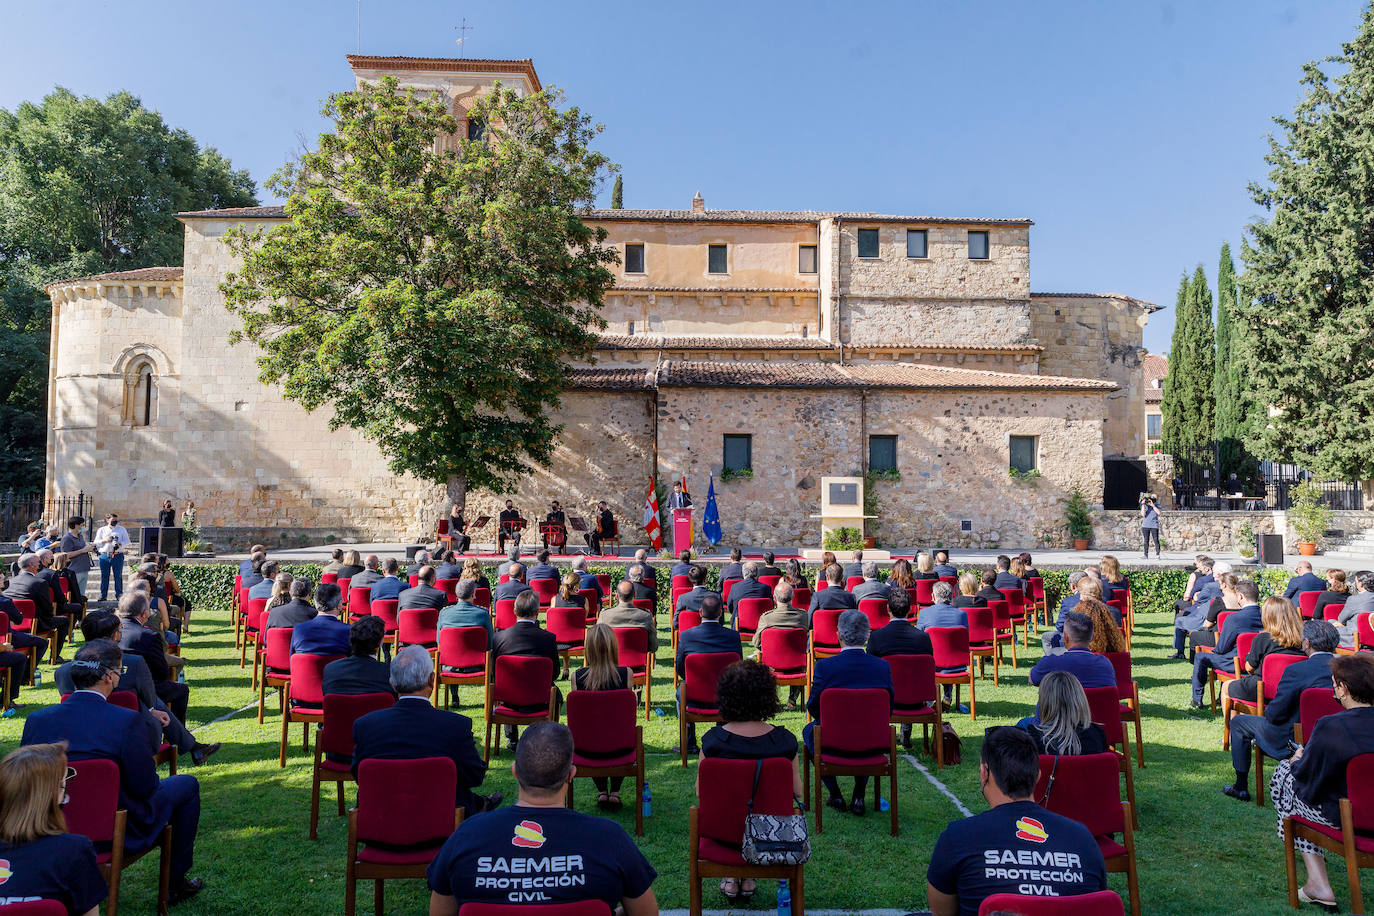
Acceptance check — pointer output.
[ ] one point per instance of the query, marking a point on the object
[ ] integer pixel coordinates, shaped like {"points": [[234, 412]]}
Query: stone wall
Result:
{"points": [[727, 312], [1204, 531], [874, 322], [947, 273]]}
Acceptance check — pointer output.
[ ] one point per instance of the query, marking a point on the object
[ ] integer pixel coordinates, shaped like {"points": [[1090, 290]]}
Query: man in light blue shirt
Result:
{"points": [[942, 613]]}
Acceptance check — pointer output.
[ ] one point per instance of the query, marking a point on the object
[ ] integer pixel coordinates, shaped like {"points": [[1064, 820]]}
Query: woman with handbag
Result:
{"points": [[748, 698]]}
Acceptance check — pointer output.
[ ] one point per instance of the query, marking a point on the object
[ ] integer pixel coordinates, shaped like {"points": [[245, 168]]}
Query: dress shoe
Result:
{"points": [[187, 889], [201, 752], [1328, 905], [1239, 793], [856, 807], [836, 802], [491, 802], [1175, 656]]}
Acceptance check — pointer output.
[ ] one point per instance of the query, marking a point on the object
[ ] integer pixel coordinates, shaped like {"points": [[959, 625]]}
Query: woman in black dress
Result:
{"points": [[351, 566], [1282, 635], [1337, 592], [601, 671]]}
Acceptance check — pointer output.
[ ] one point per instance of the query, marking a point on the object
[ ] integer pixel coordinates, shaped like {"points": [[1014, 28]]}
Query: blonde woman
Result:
{"points": [[1111, 571], [473, 570], [44, 861], [968, 592], [1063, 723], [281, 590], [1282, 635], [351, 566], [925, 567], [601, 671]]}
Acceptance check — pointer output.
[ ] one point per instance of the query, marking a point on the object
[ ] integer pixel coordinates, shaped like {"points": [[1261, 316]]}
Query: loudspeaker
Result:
{"points": [[148, 540], [1270, 549], [171, 542]]}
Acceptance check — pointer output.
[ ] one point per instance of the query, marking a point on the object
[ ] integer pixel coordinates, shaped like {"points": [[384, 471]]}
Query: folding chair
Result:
{"points": [[951, 655], [607, 740], [1039, 603], [515, 681], [632, 644], [1128, 691], [1351, 839], [916, 699], [1104, 705], [591, 605], [306, 689], [336, 737], [858, 741], [93, 812], [462, 658], [700, 674], [34, 908]]}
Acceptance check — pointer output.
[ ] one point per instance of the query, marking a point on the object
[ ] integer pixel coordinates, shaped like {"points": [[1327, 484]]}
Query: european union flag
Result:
{"points": [[710, 522]]}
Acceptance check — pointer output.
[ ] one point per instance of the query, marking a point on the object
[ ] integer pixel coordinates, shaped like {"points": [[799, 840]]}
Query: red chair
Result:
{"points": [[1098, 903], [1016, 609], [518, 681], [240, 599], [304, 701], [632, 646], [770, 581], [700, 674], [505, 613], [1332, 611], [31, 626], [952, 582], [238, 587], [786, 650], [29, 652], [1104, 705], [413, 579], [715, 824], [604, 580], [983, 641], [916, 699], [359, 602], [1128, 691], [1087, 789], [951, 653], [418, 626], [1124, 613], [580, 908], [344, 586], [336, 737], [569, 626], [1271, 672], [450, 587], [644, 604], [681, 582], [462, 657], [545, 589], [482, 597], [406, 808], [590, 602], [167, 753], [1218, 676], [748, 613], [822, 583], [875, 609], [1351, 839], [34, 908], [924, 598], [852, 582], [325, 579], [276, 666], [685, 621], [1221, 621], [385, 610], [825, 633], [93, 812], [725, 587], [858, 741], [801, 598], [1307, 604], [607, 740], [502, 579], [1314, 703], [254, 610], [1039, 602], [1004, 625]]}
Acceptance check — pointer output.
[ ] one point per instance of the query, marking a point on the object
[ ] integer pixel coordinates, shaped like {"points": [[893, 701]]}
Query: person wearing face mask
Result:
{"points": [[78, 551]]}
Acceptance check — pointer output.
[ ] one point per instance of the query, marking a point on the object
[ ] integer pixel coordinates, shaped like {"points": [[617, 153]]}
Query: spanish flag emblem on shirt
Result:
{"points": [[528, 835], [1028, 828]]}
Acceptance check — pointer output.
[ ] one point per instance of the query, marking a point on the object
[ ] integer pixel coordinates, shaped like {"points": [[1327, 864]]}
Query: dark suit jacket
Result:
{"points": [[526, 638], [290, 614], [943, 570], [770, 571], [27, 585], [355, 675], [874, 589], [367, 578], [422, 596], [645, 590], [709, 636], [387, 587], [691, 601], [853, 569], [1007, 580], [680, 569], [1307, 582], [543, 571], [900, 637], [94, 728], [967, 601], [137, 681], [747, 588], [1245, 620], [413, 728], [990, 593], [320, 635], [851, 668], [732, 571], [511, 588], [833, 598], [448, 571], [146, 643], [51, 576]]}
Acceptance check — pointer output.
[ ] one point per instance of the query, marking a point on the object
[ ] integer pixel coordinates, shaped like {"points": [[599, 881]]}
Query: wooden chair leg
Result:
{"points": [[1259, 776], [315, 800], [378, 897], [798, 891], [1290, 862], [285, 725], [350, 867]]}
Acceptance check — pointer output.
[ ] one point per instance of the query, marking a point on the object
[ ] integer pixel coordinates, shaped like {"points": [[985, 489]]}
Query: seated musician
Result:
{"points": [[605, 527], [556, 534], [510, 525], [457, 529]]}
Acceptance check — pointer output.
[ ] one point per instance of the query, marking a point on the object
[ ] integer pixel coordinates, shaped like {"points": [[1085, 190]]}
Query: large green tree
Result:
{"points": [[86, 186], [431, 296], [1229, 386], [1309, 277], [1188, 406]]}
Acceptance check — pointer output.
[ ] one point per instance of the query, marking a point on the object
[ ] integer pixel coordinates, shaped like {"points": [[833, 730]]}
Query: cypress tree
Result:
{"points": [[1188, 404], [1228, 379], [617, 195]]}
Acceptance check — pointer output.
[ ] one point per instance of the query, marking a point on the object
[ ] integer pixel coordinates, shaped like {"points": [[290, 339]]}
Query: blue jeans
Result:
{"points": [[108, 566]]}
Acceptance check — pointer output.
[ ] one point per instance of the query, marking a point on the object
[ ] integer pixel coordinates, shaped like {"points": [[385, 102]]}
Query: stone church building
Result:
{"points": [[781, 345]]}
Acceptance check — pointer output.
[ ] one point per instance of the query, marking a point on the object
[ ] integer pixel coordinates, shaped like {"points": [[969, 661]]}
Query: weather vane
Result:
{"points": [[462, 31]]}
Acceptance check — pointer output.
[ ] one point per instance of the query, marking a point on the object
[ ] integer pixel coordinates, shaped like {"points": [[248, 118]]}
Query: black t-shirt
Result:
{"points": [[540, 855], [1016, 848], [61, 868], [1091, 740], [719, 742]]}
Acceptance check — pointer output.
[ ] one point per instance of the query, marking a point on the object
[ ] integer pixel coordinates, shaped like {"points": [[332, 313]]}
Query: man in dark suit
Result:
{"points": [[679, 498], [413, 728], [390, 585], [325, 633], [642, 558], [587, 579], [769, 568], [642, 589], [360, 672], [96, 729], [421, 560], [137, 638], [508, 516], [692, 601], [263, 587], [19, 639], [256, 552], [942, 566], [748, 587], [526, 637], [28, 585], [46, 572], [834, 596], [1245, 620], [1004, 577], [371, 573], [899, 636], [1303, 581], [296, 611], [989, 591], [734, 569], [1273, 731], [513, 586], [253, 575], [870, 587], [448, 567], [601, 528], [852, 667], [683, 566], [512, 559], [424, 594], [854, 569], [709, 636], [1054, 639]]}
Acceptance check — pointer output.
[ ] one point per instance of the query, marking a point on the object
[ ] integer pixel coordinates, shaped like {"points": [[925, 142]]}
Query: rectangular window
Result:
{"points": [[634, 259], [1152, 423], [882, 453], [978, 246], [868, 243], [916, 243], [1023, 449], [806, 259], [739, 452], [716, 259]]}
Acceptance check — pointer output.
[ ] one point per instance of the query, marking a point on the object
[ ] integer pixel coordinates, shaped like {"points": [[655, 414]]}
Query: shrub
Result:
{"points": [[844, 539]]}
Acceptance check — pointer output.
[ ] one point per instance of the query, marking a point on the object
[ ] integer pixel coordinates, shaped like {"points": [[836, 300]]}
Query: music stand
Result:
{"points": [[577, 524], [481, 522]]}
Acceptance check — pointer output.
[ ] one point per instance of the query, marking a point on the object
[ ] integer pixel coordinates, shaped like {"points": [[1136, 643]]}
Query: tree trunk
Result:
{"points": [[457, 489]]}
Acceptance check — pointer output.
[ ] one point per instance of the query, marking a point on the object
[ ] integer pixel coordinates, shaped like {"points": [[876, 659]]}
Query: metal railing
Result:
{"points": [[17, 510]]}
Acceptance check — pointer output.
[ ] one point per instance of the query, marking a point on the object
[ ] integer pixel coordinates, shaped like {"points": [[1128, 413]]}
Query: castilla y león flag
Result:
{"points": [[651, 518]]}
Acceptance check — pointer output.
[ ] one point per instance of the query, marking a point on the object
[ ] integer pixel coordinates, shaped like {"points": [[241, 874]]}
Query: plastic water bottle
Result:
{"points": [[647, 801], [37, 677], [882, 803], [784, 899]]}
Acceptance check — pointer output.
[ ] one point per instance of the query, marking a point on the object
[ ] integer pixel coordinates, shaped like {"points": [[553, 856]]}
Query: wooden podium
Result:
{"points": [[682, 530]]}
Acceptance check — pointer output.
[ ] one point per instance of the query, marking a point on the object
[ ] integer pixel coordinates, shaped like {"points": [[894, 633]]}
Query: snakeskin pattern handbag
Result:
{"points": [[773, 839]]}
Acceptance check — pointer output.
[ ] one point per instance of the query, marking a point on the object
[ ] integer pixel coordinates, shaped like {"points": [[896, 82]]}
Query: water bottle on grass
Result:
{"points": [[647, 801], [784, 899]]}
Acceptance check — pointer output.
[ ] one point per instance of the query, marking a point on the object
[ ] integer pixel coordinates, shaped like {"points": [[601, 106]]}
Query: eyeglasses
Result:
{"points": [[69, 775]]}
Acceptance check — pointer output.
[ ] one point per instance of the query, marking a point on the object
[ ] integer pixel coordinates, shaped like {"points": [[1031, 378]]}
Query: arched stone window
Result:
{"points": [[140, 393]]}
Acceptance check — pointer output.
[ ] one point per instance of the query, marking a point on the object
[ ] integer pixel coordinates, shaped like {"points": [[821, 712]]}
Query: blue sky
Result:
{"points": [[1127, 130]]}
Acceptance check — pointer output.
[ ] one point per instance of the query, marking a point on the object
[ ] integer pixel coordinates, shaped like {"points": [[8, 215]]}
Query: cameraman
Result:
{"points": [[1149, 523]]}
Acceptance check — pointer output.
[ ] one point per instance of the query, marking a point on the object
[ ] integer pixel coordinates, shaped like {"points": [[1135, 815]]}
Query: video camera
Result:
{"points": [[1148, 498]]}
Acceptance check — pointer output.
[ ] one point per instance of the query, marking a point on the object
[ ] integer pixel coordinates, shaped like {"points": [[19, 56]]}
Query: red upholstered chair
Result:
{"points": [[304, 701], [407, 809], [34, 908], [875, 609], [1087, 789], [1271, 672], [821, 583], [450, 587], [632, 644], [1039, 604], [681, 582], [801, 598], [1217, 676], [1104, 705], [359, 602], [853, 737], [951, 652], [545, 589], [325, 579], [1332, 611], [515, 681], [700, 674], [345, 585], [482, 597], [29, 652], [580, 908], [336, 737], [1352, 839], [276, 666], [685, 621], [916, 699], [590, 603], [413, 579], [1221, 621], [31, 626], [254, 610], [93, 811], [1314, 703], [505, 613], [1128, 691], [982, 641], [924, 598], [825, 633], [1098, 903], [770, 581], [644, 604], [607, 740], [1307, 603], [748, 614], [1016, 609], [418, 626], [167, 753], [715, 824], [1004, 625], [952, 582], [385, 610], [604, 580], [787, 651], [852, 582], [502, 579], [677, 592], [569, 626], [1124, 612], [463, 649], [238, 586]]}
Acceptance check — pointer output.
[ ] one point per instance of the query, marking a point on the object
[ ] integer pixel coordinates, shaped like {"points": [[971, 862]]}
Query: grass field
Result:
{"points": [[1198, 851]]}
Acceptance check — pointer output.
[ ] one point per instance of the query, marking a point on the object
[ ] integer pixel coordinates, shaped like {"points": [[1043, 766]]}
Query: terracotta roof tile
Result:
{"points": [[599, 379], [696, 373], [795, 216], [708, 342], [274, 212], [141, 275], [1148, 306], [446, 65]]}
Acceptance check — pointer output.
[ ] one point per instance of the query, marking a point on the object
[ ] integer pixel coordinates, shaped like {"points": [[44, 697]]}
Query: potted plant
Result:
{"points": [[1245, 539], [1078, 518], [1309, 517], [844, 539]]}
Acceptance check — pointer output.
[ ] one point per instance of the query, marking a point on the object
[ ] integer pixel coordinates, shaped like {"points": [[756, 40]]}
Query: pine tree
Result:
{"points": [[1188, 404], [617, 195], [1308, 311], [1228, 376]]}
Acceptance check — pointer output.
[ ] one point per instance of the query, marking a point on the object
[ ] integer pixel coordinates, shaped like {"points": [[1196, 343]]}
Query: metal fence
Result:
{"points": [[1198, 484], [17, 510]]}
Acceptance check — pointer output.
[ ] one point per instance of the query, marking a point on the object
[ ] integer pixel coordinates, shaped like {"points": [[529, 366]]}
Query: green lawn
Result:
{"points": [[1199, 852]]}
